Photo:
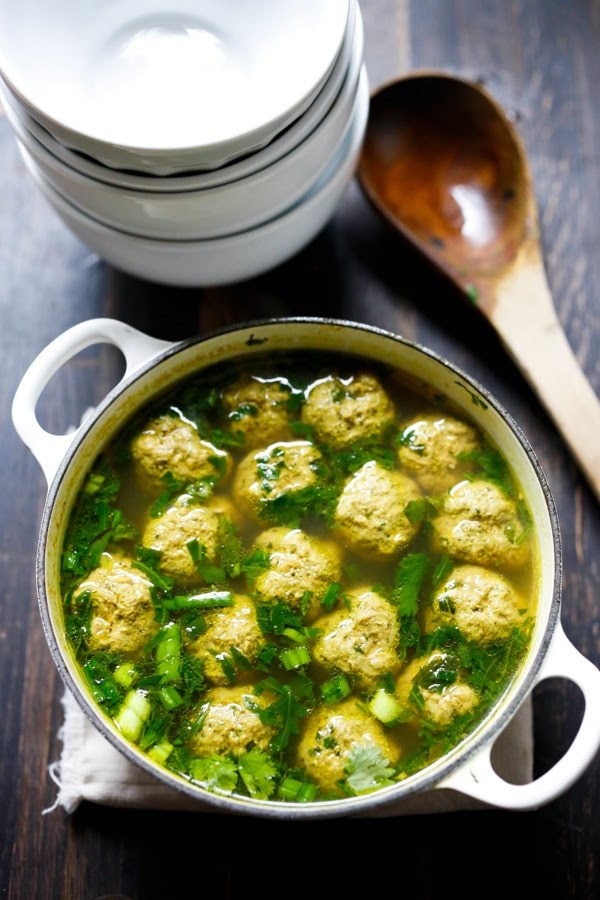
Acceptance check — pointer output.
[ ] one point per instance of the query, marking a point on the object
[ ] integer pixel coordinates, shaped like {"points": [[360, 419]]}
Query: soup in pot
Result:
{"points": [[305, 578]]}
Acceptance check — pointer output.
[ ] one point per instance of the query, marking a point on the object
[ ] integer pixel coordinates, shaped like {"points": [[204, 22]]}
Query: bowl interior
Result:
{"points": [[135, 81]]}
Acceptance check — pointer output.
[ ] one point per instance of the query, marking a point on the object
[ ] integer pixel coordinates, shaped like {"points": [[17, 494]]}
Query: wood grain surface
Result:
{"points": [[541, 60]]}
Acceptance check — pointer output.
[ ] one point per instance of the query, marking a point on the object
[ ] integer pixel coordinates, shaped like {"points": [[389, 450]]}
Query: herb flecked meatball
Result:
{"points": [[282, 469], [360, 638], [258, 407], [331, 735], [343, 411], [183, 525], [123, 618], [481, 603], [442, 695], [230, 628], [430, 447], [301, 568], [370, 514], [478, 523], [230, 723], [170, 444]]}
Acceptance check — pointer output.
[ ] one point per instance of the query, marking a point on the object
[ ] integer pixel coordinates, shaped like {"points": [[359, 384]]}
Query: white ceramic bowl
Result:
{"points": [[233, 257], [280, 146], [214, 211], [142, 85]]}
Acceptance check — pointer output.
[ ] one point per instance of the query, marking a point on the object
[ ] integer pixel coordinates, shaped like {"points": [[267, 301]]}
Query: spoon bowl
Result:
{"points": [[441, 164], [445, 167]]}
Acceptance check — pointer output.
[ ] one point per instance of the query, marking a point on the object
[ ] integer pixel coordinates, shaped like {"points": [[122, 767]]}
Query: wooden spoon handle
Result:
{"points": [[525, 318]]}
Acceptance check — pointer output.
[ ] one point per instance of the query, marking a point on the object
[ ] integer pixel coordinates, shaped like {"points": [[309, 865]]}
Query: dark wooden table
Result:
{"points": [[541, 60]]}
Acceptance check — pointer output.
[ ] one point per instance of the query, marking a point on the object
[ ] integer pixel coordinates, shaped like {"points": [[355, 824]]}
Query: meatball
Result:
{"points": [[170, 444], [478, 523], [258, 407], [282, 469], [360, 639], [431, 444], [301, 568], [228, 628], [342, 411], [331, 734], [123, 618], [483, 604], [442, 701], [171, 534], [370, 512], [230, 723]]}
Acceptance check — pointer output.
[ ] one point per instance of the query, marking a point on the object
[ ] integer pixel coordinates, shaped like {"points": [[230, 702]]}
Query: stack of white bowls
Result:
{"points": [[197, 145]]}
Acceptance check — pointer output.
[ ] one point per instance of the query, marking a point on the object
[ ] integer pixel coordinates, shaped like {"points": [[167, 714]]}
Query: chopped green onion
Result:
{"points": [[125, 674], [294, 635], [291, 789], [294, 658], [168, 652], [133, 714], [170, 697], [206, 600], [161, 751], [385, 707], [335, 689]]}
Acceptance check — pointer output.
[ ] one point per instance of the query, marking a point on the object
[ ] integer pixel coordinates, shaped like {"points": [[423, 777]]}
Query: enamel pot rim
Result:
{"points": [[153, 366]]}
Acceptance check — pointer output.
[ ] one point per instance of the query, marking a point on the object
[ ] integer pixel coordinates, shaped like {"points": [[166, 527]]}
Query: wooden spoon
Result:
{"points": [[443, 164]]}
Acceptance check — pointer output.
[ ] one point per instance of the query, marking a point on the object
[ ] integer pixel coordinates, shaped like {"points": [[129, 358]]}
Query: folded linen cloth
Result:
{"points": [[91, 769]]}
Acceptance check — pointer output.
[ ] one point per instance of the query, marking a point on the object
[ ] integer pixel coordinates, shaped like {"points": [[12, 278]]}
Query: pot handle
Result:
{"points": [[137, 348], [478, 778]]}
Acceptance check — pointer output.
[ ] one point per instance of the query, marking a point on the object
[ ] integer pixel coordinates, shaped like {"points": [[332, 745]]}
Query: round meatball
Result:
{"points": [[342, 411], [478, 523], [360, 639], [431, 444], [123, 618], [171, 533], [230, 723], [301, 568], [228, 628], [283, 468], [331, 734], [258, 407], [483, 604], [170, 444], [370, 512], [441, 702]]}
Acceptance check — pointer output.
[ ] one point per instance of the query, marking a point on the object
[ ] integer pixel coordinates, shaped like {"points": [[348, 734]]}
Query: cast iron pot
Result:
{"points": [[154, 365]]}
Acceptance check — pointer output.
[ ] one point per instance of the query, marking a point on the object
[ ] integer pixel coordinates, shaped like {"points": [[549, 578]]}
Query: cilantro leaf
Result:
{"points": [[215, 773], [259, 773], [367, 769]]}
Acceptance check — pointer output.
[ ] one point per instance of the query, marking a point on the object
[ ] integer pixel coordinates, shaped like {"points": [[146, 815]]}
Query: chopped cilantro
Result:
{"points": [[259, 772], [367, 769], [215, 773]]}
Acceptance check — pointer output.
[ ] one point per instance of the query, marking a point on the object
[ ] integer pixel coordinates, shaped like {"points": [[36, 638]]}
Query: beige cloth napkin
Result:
{"points": [[91, 769]]}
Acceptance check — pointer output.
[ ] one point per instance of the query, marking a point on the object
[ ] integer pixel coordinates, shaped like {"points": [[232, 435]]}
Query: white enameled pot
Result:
{"points": [[153, 366]]}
